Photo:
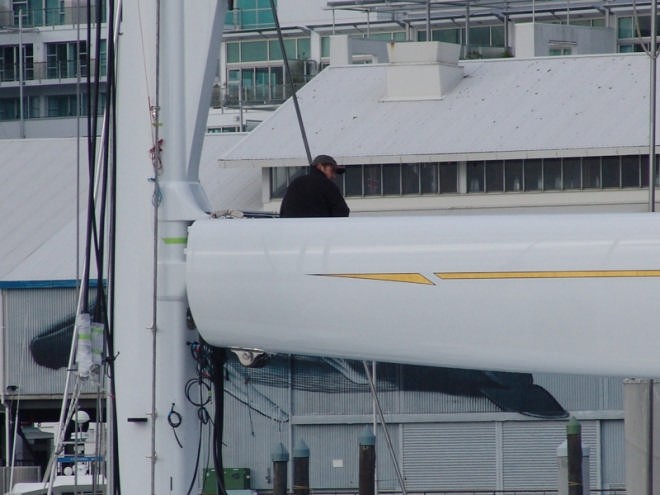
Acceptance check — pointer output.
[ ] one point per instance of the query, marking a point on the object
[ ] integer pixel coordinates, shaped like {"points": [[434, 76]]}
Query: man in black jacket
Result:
{"points": [[315, 194]]}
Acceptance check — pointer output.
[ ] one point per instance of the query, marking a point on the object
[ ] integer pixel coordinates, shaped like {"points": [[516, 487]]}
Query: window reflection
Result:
{"points": [[494, 176], [392, 179], [572, 176], [552, 174], [410, 179], [630, 171], [533, 178], [372, 180], [611, 170], [475, 177], [449, 178], [429, 178], [591, 173], [513, 172], [549, 174]]}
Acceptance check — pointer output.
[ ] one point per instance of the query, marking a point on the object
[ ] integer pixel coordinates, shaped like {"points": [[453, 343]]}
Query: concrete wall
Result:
{"points": [[536, 39]]}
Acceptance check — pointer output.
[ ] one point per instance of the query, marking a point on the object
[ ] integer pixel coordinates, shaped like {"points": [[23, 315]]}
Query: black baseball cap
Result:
{"points": [[328, 160]]}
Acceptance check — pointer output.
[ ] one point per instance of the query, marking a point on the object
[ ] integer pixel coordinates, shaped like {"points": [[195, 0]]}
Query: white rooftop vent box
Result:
{"points": [[422, 70], [423, 52]]}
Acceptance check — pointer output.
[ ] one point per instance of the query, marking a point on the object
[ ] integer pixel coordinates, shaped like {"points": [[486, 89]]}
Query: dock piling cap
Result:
{"points": [[279, 453], [573, 427], [300, 449], [367, 438]]}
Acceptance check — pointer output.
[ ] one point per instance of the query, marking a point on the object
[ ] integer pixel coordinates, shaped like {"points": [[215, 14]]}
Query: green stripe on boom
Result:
{"points": [[175, 240]]}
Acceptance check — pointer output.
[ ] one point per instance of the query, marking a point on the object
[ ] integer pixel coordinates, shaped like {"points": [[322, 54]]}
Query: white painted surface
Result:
{"points": [[266, 284]]}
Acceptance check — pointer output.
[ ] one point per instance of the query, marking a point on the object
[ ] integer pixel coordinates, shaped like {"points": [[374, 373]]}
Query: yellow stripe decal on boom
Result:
{"points": [[547, 274], [410, 278]]}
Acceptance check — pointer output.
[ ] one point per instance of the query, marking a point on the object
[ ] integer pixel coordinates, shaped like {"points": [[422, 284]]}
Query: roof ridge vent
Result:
{"points": [[422, 70]]}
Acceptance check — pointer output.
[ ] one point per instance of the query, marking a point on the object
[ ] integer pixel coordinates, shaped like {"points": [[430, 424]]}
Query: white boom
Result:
{"points": [[565, 293]]}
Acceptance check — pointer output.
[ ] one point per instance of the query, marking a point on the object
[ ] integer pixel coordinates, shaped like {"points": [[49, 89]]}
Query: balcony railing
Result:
{"points": [[40, 71], [37, 17]]}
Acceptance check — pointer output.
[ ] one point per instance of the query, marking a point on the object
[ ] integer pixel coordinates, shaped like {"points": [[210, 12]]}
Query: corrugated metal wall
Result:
{"points": [[529, 453], [613, 449], [584, 393], [28, 314], [446, 441], [442, 440]]}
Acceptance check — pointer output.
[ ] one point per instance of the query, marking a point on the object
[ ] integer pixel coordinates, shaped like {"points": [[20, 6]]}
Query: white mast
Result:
{"points": [[153, 364]]}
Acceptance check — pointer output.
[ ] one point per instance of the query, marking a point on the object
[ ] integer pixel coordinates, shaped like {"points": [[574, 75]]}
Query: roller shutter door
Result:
{"points": [[439, 456], [529, 453]]}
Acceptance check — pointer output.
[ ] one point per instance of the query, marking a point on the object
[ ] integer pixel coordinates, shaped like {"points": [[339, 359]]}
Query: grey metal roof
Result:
{"points": [[38, 202], [552, 106]]}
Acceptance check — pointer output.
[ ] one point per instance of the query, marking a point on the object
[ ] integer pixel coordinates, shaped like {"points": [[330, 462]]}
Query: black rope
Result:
{"points": [[218, 360], [174, 420]]}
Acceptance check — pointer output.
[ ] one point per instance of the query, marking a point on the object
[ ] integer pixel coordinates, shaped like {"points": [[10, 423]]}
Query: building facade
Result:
{"points": [[46, 89]]}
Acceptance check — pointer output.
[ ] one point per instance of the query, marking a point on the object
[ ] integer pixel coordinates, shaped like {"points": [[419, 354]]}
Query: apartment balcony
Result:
{"points": [[42, 17], [43, 73]]}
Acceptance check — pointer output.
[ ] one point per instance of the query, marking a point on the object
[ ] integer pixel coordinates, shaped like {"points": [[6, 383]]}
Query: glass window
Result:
{"points": [[643, 169], [250, 14], [552, 174], [276, 50], [475, 177], [63, 106], [410, 178], [325, 46], [513, 170], [233, 52], [278, 181], [429, 178], [447, 35], [591, 173], [388, 36], [63, 59], [644, 22], [9, 109], [533, 171], [277, 83], [480, 36], [303, 48], [630, 171], [572, 179], [497, 35], [9, 63], [494, 176], [448, 178], [262, 84], [372, 180], [339, 180], [391, 179], [353, 181], [611, 172], [281, 177], [254, 51]]}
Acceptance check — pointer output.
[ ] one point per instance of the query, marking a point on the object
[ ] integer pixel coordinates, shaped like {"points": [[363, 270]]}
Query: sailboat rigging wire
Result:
{"points": [[113, 35], [290, 79], [390, 448], [156, 163], [98, 180], [17, 403]]}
